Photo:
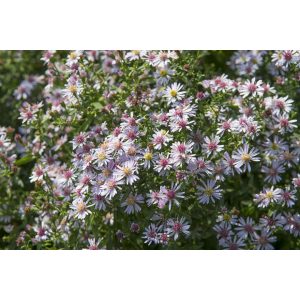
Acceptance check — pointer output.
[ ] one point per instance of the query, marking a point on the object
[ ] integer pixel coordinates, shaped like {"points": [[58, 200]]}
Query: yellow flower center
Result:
{"points": [[209, 192], [130, 200], [148, 156], [127, 171], [269, 194], [246, 157], [73, 55], [73, 89], [226, 217], [173, 93], [101, 155], [163, 73], [136, 52], [274, 146], [80, 206]]}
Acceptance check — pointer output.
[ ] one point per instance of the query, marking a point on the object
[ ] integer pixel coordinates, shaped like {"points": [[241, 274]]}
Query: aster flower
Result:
{"points": [[28, 112], [174, 93], [100, 201], [162, 164], [234, 243], [163, 75], [244, 155], [291, 223], [284, 124], [200, 166], [131, 203], [127, 172], [275, 146], [170, 196], [47, 55], [230, 165], [212, 146], [181, 152], [93, 244], [80, 208], [224, 232], [246, 227], [110, 187], [135, 54], [251, 88], [4, 142], [264, 240], [161, 138], [209, 192], [69, 177], [268, 196], [38, 174], [42, 230], [288, 197], [224, 127], [101, 157], [150, 234], [272, 172], [175, 227], [79, 140], [271, 222]]}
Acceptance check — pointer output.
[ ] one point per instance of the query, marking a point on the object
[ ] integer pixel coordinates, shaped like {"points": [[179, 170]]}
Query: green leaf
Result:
{"points": [[24, 160]]}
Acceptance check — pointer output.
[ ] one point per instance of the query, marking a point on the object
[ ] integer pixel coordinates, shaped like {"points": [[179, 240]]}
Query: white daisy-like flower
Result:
{"points": [[161, 138], [244, 156], [212, 146], [209, 192], [174, 92], [131, 203], [170, 196], [127, 172], [251, 88], [175, 227], [263, 240], [80, 208], [110, 187], [101, 157], [273, 172], [38, 174], [268, 196], [135, 54]]}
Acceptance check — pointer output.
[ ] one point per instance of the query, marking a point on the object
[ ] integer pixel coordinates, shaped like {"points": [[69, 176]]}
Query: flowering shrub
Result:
{"points": [[152, 150]]}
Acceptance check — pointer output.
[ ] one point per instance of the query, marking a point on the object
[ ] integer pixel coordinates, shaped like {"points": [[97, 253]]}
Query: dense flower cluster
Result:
{"points": [[138, 149]]}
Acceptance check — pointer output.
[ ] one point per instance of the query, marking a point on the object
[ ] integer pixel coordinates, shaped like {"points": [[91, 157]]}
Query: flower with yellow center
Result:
{"points": [[127, 171], [209, 192], [80, 206], [130, 200], [148, 156], [173, 93], [226, 217], [72, 89], [269, 194], [246, 157], [101, 155], [163, 73], [73, 55]]}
